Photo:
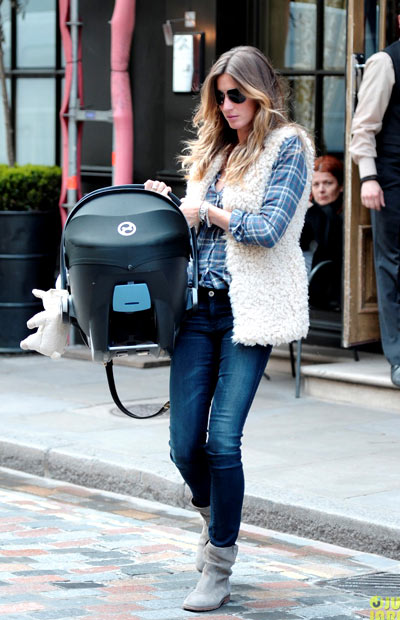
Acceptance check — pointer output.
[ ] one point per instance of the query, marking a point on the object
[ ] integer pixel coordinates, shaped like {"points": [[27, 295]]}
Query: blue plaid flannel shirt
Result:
{"points": [[282, 195]]}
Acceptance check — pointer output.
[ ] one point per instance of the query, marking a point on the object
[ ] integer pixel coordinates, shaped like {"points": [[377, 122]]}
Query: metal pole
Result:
{"points": [[74, 105], [72, 184]]}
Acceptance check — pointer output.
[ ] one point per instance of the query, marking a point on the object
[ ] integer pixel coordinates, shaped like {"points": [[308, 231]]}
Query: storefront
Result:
{"points": [[313, 44]]}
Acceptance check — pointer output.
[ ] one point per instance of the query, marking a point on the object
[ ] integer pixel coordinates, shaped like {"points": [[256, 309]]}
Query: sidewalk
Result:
{"points": [[69, 552], [313, 468]]}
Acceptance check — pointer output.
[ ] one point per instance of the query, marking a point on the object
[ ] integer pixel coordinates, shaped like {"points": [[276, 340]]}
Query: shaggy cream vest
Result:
{"points": [[269, 287]]}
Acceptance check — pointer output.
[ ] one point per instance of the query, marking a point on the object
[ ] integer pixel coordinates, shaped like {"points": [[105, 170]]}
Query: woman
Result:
{"points": [[249, 175], [321, 239]]}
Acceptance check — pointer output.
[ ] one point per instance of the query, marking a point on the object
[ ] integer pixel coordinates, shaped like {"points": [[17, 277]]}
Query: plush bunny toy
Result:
{"points": [[51, 336]]}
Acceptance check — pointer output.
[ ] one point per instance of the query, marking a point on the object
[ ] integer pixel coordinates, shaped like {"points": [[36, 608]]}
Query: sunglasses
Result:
{"points": [[234, 95]]}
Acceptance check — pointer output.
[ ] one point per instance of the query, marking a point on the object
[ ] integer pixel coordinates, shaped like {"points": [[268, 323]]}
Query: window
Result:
{"points": [[34, 71], [36, 35], [5, 16], [306, 41], [35, 127]]}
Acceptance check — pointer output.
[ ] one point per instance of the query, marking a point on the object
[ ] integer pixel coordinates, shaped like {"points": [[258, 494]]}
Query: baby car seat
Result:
{"points": [[124, 258]]}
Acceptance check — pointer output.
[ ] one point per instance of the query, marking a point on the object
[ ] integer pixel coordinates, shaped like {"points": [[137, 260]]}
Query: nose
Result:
{"points": [[227, 104]]}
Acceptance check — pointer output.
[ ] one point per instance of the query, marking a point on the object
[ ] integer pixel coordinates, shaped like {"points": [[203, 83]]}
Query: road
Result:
{"points": [[71, 552]]}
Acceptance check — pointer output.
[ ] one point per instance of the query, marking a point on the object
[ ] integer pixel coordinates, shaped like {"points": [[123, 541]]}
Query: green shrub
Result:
{"points": [[29, 188]]}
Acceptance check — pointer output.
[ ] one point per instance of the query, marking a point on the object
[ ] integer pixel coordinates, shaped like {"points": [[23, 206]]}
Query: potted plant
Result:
{"points": [[30, 230]]}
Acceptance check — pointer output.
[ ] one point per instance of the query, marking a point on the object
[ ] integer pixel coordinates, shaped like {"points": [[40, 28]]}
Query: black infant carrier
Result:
{"points": [[124, 259]]}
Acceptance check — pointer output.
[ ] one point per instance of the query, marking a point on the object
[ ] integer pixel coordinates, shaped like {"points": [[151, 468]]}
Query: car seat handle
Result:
{"points": [[193, 235]]}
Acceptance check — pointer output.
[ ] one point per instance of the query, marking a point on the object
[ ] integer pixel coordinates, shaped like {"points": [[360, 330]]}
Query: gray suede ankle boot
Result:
{"points": [[204, 537], [213, 589]]}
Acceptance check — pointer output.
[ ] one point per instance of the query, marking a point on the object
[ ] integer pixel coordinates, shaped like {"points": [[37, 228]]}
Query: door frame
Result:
{"points": [[360, 306]]}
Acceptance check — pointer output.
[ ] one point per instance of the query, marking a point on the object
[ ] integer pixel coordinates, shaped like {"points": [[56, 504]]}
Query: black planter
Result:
{"points": [[29, 242]]}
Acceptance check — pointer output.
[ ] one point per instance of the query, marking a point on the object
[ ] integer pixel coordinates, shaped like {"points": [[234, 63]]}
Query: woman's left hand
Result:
{"points": [[157, 186], [190, 209]]}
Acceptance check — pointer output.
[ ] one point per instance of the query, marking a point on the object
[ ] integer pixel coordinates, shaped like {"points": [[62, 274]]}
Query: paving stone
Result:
{"points": [[58, 615], [143, 569], [16, 617], [160, 614], [35, 573], [271, 615], [80, 584], [16, 560], [316, 612]]}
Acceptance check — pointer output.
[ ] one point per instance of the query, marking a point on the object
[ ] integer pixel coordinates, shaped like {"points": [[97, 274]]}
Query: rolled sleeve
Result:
{"points": [[373, 99], [283, 193]]}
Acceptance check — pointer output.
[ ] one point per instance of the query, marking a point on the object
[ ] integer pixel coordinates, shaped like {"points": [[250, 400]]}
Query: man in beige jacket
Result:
{"points": [[375, 148]]}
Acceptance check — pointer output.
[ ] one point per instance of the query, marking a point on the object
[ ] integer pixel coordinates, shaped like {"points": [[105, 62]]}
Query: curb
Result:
{"points": [[326, 526]]}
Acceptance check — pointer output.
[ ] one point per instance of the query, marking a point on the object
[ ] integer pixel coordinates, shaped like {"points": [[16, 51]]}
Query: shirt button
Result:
{"points": [[211, 293]]}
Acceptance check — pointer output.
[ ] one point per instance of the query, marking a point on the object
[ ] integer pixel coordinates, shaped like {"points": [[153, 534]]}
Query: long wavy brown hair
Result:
{"points": [[256, 79]]}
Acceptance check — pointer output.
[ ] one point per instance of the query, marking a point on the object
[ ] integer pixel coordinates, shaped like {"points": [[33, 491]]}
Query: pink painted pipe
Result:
{"points": [[122, 25]]}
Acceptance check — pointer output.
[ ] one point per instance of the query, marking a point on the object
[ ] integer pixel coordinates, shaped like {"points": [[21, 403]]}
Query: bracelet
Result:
{"points": [[371, 177], [203, 214]]}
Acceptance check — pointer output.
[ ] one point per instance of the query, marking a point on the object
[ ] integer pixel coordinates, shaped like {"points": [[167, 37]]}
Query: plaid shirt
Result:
{"points": [[282, 195]]}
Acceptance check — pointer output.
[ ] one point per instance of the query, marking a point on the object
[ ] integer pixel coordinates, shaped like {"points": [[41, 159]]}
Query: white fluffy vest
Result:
{"points": [[269, 288]]}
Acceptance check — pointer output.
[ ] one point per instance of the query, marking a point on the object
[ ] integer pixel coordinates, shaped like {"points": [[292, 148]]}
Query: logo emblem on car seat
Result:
{"points": [[126, 229]]}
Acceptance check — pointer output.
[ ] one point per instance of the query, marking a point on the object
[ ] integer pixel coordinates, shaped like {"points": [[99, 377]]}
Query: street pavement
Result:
{"points": [[72, 552], [313, 468]]}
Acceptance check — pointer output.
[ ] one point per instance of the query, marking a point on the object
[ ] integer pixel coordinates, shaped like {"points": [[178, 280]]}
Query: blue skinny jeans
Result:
{"points": [[212, 386]]}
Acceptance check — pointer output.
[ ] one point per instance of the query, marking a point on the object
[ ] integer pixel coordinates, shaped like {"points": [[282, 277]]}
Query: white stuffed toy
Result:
{"points": [[51, 336]]}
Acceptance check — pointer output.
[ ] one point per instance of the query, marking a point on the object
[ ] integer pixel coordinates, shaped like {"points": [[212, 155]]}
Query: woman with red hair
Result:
{"points": [[321, 238]]}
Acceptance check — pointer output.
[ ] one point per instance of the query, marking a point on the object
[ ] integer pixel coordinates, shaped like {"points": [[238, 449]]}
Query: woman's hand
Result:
{"points": [[190, 209], [157, 186]]}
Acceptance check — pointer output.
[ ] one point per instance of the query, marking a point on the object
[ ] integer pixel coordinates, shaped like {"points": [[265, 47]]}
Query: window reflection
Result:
{"points": [[292, 45], [300, 41], [3, 144], [35, 121], [302, 100], [5, 16], [335, 34], [333, 114], [371, 12], [36, 43]]}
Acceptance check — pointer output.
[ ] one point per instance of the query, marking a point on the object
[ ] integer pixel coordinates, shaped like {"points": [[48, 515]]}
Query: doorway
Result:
{"points": [[371, 26], [319, 47]]}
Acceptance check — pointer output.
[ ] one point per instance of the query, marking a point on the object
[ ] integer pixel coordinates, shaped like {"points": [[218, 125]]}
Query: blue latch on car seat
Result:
{"points": [[131, 297]]}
